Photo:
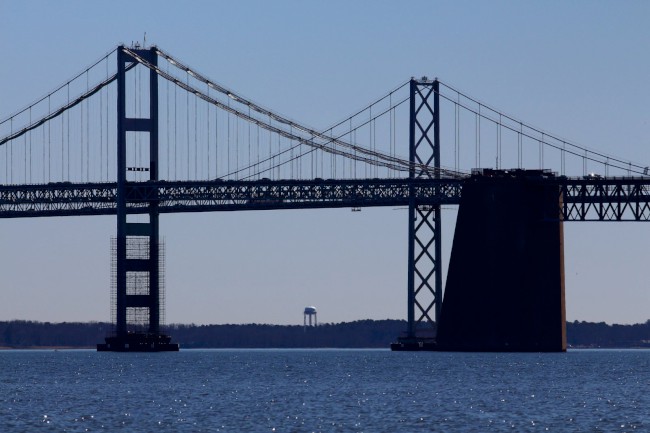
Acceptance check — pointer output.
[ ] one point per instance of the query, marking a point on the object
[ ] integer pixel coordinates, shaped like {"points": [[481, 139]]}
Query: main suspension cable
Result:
{"points": [[627, 164], [61, 109], [387, 160]]}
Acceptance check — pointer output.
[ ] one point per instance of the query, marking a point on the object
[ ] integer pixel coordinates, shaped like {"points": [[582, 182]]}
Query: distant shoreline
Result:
{"points": [[361, 334]]}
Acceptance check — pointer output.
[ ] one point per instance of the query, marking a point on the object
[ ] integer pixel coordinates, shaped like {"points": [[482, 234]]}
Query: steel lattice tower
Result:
{"points": [[424, 224]]}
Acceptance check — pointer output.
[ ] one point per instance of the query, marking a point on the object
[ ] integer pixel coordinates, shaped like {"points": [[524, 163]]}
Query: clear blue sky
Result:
{"points": [[579, 69]]}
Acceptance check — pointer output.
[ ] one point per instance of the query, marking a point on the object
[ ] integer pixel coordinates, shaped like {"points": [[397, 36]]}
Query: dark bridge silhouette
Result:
{"points": [[149, 140]]}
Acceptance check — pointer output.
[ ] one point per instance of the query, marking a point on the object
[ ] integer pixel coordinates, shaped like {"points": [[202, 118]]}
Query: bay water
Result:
{"points": [[324, 391]]}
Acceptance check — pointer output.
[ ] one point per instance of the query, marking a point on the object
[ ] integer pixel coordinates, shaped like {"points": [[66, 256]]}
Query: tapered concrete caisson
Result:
{"points": [[505, 284]]}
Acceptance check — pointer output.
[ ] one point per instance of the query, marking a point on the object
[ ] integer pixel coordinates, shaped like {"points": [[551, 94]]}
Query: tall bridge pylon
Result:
{"points": [[137, 273], [424, 221]]}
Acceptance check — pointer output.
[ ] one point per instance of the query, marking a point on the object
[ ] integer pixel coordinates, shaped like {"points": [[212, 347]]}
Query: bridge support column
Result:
{"points": [[424, 287], [505, 284], [137, 258]]}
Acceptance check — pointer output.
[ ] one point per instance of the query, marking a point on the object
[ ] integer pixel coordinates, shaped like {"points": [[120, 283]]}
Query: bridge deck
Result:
{"points": [[591, 199]]}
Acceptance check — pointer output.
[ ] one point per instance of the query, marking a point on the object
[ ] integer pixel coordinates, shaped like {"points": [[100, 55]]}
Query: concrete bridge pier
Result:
{"points": [[505, 284]]}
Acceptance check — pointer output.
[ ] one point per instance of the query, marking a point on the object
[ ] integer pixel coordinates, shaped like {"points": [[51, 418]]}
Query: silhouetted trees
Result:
{"points": [[586, 334], [358, 334]]}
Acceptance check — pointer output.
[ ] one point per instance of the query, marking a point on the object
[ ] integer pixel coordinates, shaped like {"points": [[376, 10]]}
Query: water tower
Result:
{"points": [[309, 312]]}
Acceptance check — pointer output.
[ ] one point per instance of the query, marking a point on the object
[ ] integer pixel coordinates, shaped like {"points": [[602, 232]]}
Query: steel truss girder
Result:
{"points": [[24, 201], [615, 199], [620, 199]]}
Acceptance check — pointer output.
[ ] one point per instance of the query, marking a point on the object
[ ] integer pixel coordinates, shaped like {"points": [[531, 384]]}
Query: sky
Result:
{"points": [[579, 69]]}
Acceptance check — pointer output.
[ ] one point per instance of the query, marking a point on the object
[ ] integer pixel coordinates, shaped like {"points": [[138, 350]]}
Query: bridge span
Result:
{"points": [[141, 133]]}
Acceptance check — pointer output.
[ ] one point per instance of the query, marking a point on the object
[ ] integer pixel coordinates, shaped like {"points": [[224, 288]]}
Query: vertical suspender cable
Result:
{"points": [[196, 132], [87, 130], [44, 163], [187, 125], [541, 153], [499, 160], [107, 130], [249, 143], [101, 135], [291, 152], [271, 160], [365, 169], [371, 140], [257, 156], [374, 137], [81, 142], [87, 125], [216, 142], [476, 124], [30, 146], [136, 113], [521, 145], [11, 162], [49, 142], [355, 154], [395, 173], [390, 129], [456, 136], [62, 148], [478, 136], [25, 159], [209, 161], [68, 131], [167, 126], [278, 165], [175, 132], [11, 130], [496, 157], [136, 137], [543, 143]]}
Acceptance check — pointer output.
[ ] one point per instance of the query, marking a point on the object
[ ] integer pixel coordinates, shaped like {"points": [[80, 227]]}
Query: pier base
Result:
{"points": [[138, 342]]}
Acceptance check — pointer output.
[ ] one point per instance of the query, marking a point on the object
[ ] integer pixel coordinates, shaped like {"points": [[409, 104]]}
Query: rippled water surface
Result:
{"points": [[324, 390]]}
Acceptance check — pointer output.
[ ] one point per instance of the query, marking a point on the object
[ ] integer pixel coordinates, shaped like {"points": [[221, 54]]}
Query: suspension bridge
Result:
{"points": [[139, 133]]}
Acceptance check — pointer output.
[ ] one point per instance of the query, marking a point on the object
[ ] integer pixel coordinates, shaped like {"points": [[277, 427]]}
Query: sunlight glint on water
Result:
{"points": [[324, 390]]}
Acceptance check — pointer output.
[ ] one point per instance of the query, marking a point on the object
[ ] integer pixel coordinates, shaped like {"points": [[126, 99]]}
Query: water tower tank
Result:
{"points": [[309, 313]]}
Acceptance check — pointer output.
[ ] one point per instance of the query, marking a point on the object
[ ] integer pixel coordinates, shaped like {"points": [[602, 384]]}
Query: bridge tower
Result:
{"points": [[424, 287], [137, 249]]}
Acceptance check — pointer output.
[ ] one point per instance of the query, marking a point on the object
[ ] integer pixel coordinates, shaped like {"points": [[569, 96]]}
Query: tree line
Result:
{"points": [[357, 334]]}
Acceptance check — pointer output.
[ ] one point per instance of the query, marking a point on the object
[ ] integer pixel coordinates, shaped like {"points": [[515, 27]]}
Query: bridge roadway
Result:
{"points": [[584, 199]]}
